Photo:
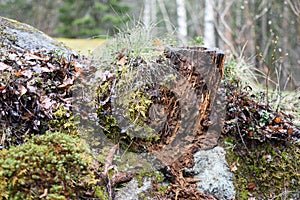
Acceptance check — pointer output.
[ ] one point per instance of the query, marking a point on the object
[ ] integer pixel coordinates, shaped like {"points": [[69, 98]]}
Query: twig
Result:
{"points": [[109, 165], [238, 129]]}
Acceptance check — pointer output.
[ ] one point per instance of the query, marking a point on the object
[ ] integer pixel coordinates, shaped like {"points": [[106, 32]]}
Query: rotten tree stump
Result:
{"points": [[201, 70], [185, 103]]}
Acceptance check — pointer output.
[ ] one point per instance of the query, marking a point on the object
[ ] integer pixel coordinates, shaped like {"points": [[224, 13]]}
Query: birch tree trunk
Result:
{"points": [[149, 12], [182, 21], [209, 29]]}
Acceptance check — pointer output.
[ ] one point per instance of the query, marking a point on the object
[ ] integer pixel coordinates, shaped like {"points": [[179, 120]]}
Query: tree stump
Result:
{"points": [[179, 109], [201, 70]]}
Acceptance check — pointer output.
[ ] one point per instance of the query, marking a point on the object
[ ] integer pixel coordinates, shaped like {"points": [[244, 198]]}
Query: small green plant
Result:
{"points": [[198, 40], [54, 165]]}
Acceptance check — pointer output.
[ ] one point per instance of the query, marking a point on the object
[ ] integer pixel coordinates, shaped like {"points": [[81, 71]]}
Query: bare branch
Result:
{"points": [[295, 6], [165, 14]]}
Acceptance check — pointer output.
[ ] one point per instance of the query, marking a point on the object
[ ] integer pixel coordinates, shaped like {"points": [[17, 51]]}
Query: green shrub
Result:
{"points": [[54, 166]]}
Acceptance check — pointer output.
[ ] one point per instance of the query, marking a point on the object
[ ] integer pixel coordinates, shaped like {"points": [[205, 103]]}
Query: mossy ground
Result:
{"points": [[268, 170]]}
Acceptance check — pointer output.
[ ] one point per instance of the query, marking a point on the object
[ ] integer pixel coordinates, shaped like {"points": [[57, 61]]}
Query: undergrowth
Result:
{"points": [[262, 151]]}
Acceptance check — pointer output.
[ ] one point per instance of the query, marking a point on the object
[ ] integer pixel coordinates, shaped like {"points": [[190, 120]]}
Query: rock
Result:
{"points": [[132, 191], [211, 168], [21, 37]]}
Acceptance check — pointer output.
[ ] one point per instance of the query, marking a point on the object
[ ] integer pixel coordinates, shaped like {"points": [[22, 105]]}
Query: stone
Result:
{"points": [[211, 168], [132, 191], [22, 37]]}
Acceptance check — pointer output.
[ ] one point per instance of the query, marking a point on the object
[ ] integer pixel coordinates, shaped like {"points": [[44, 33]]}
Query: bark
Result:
{"points": [[182, 21], [149, 12], [209, 28], [201, 71]]}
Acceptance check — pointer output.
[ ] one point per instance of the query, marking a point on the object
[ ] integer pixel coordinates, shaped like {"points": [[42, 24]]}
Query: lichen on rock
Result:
{"points": [[21, 37]]}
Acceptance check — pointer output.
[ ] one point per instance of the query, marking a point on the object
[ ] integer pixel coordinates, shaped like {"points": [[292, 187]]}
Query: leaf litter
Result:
{"points": [[32, 85]]}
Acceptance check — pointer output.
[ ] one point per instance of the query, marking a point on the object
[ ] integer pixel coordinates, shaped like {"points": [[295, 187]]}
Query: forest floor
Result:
{"points": [[262, 143]]}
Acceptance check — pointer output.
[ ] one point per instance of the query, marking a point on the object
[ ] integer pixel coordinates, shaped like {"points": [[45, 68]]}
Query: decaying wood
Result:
{"points": [[186, 101], [201, 70]]}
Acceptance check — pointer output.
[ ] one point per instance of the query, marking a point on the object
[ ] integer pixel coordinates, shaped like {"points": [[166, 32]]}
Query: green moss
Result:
{"points": [[131, 106], [64, 121], [155, 175], [269, 169], [101, 193], [56, 163]]}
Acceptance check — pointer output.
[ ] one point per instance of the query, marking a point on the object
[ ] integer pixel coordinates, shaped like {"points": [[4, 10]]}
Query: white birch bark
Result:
{"points": [[182, 21], [149, 15], [209, 29]]}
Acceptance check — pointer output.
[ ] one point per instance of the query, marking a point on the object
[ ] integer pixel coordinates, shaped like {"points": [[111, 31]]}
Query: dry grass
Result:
{"points": [[83, 46]]}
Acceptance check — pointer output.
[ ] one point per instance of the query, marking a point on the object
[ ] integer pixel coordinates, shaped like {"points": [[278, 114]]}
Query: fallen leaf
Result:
{"points": [[29, 56], [38, 69], [290, 131], [18, 73], [67, 83], [47, 103], [251, 133], [122, 61], [277, 120], [78, 70], [233, 166], [251, 186], [22, 89]]}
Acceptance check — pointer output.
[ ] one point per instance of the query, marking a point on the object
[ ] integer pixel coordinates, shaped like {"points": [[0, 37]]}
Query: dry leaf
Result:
{"points": [[22, 89], [290, 131], [277, 120], [233, 166], [251, 186], [122, 61]]}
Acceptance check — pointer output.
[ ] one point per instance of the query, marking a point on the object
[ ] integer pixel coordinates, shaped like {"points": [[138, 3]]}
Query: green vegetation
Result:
{"points": [[261, 153], [129, 61], [90, 18], [267, 170], [64, 122], [55, 165]]}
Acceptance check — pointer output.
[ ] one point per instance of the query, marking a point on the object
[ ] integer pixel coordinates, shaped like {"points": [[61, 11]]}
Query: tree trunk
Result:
{"points": [[149, 12], [209, 28], [181, 21]]}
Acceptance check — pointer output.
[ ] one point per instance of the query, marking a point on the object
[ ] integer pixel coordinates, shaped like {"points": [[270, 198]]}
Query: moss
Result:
{"points": [[64, 121], [100, 192], [157, 179], [155, 175], [132, 103], [53, 164], [265, 170]]}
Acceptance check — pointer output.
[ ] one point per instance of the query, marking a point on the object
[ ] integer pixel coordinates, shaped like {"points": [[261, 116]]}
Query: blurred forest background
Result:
{"points": [[266, 33]]}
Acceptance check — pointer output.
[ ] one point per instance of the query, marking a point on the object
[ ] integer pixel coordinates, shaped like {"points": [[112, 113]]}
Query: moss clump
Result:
{"points": [[265, 170], [64, 121], [55, 166]]}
